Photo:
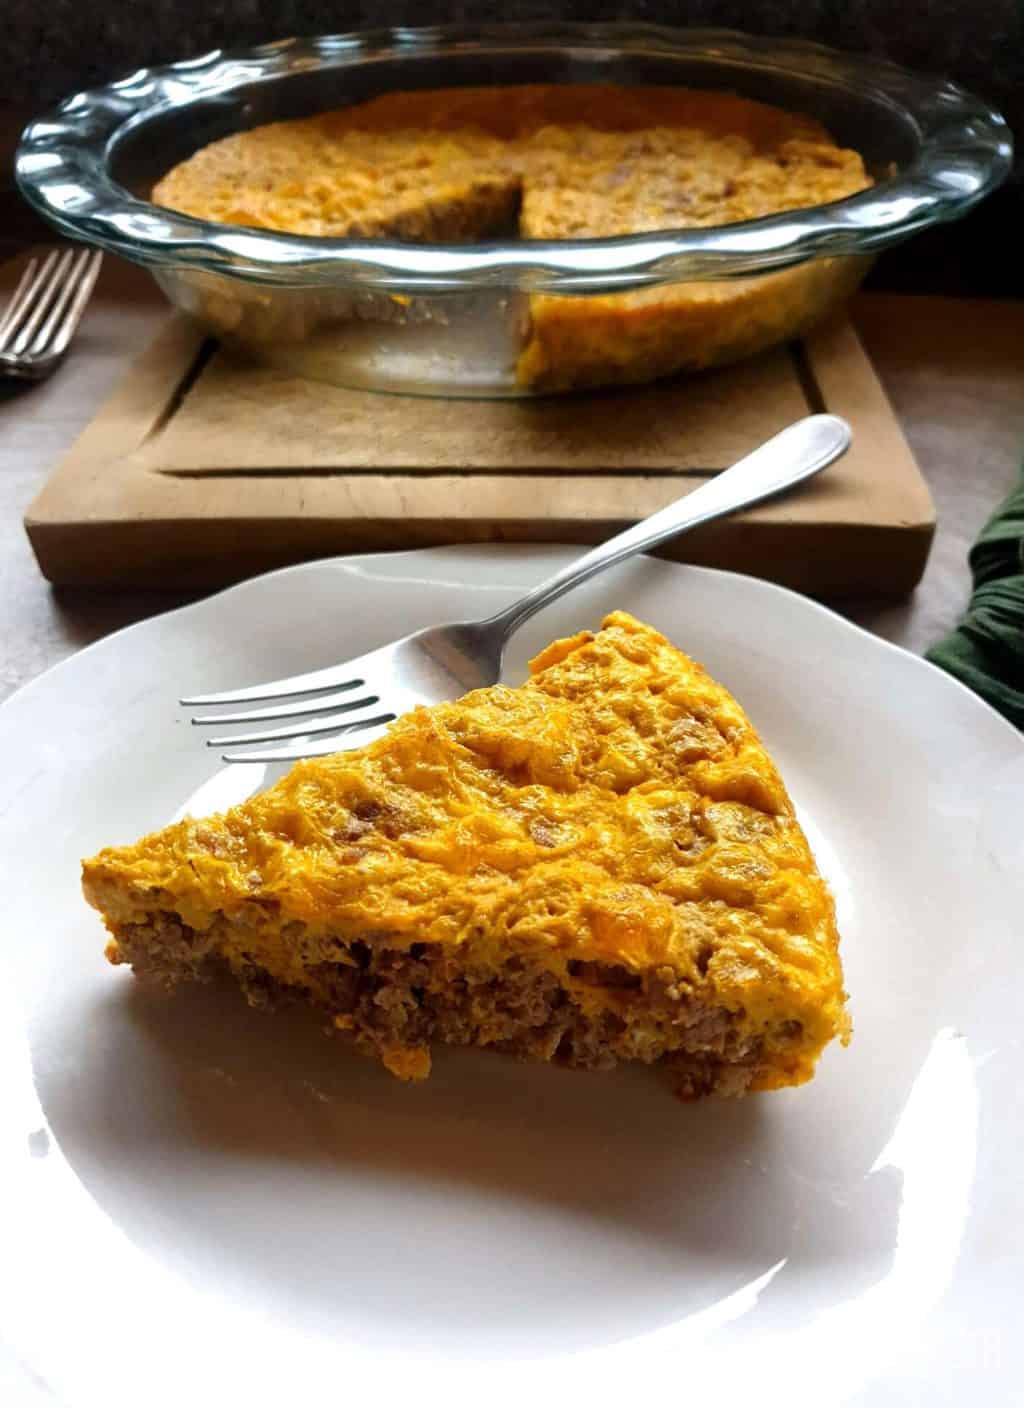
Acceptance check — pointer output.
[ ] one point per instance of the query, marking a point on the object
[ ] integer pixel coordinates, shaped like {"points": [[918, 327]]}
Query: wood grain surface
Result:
{"points": [[201, 470], [953, 369]]}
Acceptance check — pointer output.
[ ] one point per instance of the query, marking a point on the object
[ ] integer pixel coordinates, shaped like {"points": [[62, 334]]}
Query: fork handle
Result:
{"points": [[795, 454]]}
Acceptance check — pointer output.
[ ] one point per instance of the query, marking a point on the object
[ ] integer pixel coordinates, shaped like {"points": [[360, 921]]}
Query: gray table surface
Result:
{"points": [[954, 370]]}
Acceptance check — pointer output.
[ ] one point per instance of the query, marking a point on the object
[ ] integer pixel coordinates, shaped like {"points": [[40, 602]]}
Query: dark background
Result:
{"points": [[54, 47]]}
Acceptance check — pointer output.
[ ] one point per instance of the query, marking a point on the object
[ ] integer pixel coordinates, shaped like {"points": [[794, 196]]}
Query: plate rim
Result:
{"points": [[955, 688]]}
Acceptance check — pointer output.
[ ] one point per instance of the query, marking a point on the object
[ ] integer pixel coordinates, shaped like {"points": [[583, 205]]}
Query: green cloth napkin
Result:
{"points": [[986, 651]]}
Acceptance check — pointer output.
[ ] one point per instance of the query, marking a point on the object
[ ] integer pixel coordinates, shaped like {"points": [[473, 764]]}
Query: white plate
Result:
{"points": [[202, 1204]]}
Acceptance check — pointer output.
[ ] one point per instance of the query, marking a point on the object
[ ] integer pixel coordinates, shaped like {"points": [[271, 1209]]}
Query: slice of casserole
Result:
{"points": [[602, 865]]}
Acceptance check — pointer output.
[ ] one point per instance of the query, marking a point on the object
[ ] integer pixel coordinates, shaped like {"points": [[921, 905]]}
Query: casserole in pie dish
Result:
{"points": [[549, 162], [622, 201]]}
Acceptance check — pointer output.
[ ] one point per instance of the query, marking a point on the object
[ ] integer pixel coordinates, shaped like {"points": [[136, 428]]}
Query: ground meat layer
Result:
{"points": [[396, 1003]]}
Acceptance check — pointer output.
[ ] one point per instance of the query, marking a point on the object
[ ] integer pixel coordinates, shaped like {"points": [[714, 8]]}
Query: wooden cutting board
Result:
{"points": [[199, 471]]}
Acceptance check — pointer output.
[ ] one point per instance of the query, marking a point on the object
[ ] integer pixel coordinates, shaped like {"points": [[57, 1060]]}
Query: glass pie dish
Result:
{"points": [[453, 319]]}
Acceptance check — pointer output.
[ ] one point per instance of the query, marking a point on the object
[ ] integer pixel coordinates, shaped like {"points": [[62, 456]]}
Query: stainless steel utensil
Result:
{"points": [[319, 712], [39, 322]]}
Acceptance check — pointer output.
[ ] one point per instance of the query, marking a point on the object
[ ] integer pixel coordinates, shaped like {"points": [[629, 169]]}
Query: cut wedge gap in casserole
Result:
{"points": [[600, 866]]}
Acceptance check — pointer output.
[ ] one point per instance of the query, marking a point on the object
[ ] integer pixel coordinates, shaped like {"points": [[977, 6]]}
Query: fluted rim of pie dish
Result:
{"points": [[63, 169]]}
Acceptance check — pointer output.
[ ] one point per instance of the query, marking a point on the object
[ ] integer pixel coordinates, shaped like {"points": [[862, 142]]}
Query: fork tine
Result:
{"points": [[335, 677], [43, 299], [12, 312], [81, 283], [67, 289], [335, 724], [24, 305], [307, 750], [321, 704]]}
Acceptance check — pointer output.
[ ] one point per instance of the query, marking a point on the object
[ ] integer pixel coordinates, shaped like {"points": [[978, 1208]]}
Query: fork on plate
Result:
{"points": [[321, 712], [39, 322]]}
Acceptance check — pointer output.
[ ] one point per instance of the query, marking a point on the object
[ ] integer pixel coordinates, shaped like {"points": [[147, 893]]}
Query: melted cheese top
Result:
{"points": [[590, 160]]}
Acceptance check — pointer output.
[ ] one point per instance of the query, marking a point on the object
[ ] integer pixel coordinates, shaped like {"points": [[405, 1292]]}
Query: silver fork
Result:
{"points": [[39, 322], [361, 696]]}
